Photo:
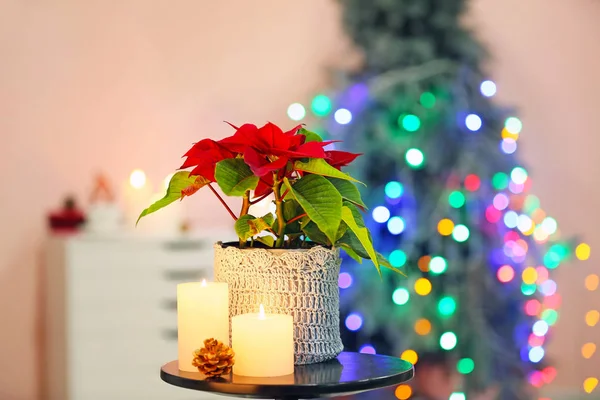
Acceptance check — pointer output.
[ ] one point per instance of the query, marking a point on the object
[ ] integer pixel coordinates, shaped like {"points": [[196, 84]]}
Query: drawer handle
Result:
{"points": [[169, 334], [184, 245], [184, 275]]}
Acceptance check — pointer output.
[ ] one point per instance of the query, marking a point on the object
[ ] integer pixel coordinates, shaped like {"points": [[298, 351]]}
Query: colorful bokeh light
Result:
{"points": [[393, 190], [448, 340], [354, 322], [423, 286], [415, 158], [321, 105], [344, 280], [400, 296], [446, 306], [296, 112]]}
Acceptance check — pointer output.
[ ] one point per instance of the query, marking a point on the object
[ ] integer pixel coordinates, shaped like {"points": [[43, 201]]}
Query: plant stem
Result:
{"points": [[296, 218], [279, 211], [285, 193], [245, 203], [223, 202], [264, 196]]}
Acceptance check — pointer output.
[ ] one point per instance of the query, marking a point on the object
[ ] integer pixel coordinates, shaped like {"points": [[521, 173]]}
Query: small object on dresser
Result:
{"points": [[214, 359], [104, 215], [68, 219]]}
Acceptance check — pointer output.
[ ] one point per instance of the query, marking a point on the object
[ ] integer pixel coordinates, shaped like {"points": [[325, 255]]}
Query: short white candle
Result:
{"points": [[263, 344], [202, 313]]}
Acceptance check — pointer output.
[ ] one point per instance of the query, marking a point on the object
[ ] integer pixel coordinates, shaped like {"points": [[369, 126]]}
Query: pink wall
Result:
{"points": [[112, 86]]}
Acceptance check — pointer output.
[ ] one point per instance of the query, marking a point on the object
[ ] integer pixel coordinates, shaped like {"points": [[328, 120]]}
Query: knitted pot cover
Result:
{"points": [[302, 283]]}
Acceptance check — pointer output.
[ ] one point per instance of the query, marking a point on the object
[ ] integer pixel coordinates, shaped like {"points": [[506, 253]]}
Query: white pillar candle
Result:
{"points": [[263, 344], [202, 313]]}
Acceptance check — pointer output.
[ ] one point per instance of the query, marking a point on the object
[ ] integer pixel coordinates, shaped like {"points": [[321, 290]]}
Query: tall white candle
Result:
{"points": [[263, 344], [202, 313]]}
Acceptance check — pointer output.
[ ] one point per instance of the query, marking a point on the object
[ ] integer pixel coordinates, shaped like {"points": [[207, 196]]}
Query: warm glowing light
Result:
{"points": [[582, 251], [296, 111], [529, 275], [506, 134], [590, 384], [592, 317], [588, 350], [423, 263], [137, 179], [261, 312], [505, 273], [423, 286], [403, 392], [410, 355], [591, 282], [445, 227], [422, 327]]}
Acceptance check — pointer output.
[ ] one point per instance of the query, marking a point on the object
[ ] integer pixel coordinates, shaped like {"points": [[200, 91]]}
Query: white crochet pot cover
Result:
{"points": [[302, 283]]}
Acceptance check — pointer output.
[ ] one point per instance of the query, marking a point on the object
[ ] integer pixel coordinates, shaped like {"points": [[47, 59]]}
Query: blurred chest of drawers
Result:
{"points": [[110, 314]]}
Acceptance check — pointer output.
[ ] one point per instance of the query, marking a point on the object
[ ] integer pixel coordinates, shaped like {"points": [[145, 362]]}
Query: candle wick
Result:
{"points": [[203, 282]]}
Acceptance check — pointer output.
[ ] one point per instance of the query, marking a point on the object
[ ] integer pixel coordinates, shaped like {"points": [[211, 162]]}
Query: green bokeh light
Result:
{"points": [[531, 204], [550, 316], [528, 290], [321, 105], [394, 189], [456, 199], [465, 366], [410, 122], [427, 100], [446, 306], [397, 258], [500, 181], [551, 259], [400, 296]]}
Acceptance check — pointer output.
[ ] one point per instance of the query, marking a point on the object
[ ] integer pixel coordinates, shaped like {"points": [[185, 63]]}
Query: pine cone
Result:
{"points": [[214, 359]]}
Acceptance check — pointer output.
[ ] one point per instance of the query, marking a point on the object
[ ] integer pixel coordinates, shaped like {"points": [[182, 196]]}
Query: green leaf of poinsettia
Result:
{"points": [[248, 225], [352, 217], [320, 200], [319, 166], [312, 231], [235, 177], [310, 136], [180, 185], [351, 252], [266, 240], [348, 190]]}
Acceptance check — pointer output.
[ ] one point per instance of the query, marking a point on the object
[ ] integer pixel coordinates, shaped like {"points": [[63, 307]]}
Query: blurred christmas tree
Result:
{"points": [[449, 202]]}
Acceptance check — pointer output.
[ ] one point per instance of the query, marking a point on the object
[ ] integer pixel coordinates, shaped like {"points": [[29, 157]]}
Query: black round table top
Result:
{"points": [[348, 373]]}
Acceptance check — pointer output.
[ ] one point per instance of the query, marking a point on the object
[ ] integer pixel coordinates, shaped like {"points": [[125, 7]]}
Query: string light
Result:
{"points": [[527, 290], [427, 100], [590, 384], [410, 355], [588, 350], [540, 328], [513, 125], [296, 111], [393, 190], [403, 392], [465, 366], [488, 88], [438, 265], [509, 135], [582, 251], [446, 306], [381, 214], [536, 354], [409, 122], [400, 296], [367, 349], [423, 286], [445, 227], [448, 341], [500, 181], [508, 146], [549, 225], [397, 258], [342, 116], [550, 316], [415, 158], [354, 322], [518, 175], [422, 327], [505, 273], [592, 317], [423, 263], [473, 122], [511, 219], [395, 225], [472, 182], [529, 275], [591, 282], [456, 199], [500, 201], [137, 179], [532, 307], [345, 280], [460, 233], [548, 288], [321, 105]]}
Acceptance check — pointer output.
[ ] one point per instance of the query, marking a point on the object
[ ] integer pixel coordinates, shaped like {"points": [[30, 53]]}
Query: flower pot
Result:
{"points": [[302, 283]]}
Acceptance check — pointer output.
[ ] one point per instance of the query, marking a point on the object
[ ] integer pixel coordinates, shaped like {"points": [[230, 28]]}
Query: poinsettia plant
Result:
{"points": [[315, 202]]}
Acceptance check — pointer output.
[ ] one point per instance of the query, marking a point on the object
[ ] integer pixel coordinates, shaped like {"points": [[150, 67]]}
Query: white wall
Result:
{"points": [[111, 86]]}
